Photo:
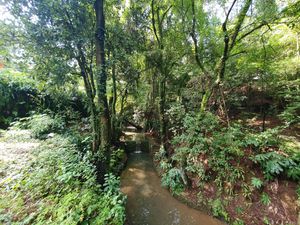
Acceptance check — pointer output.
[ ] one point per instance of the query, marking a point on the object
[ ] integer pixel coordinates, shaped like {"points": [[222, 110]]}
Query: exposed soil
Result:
{"points": [[283, 207], [256, 122]]}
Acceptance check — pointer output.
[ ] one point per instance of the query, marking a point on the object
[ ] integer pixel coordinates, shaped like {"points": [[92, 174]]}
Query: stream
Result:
{"points": [[148, 202]]}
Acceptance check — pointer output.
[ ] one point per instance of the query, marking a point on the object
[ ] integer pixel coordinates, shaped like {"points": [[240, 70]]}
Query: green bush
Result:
{"points": [[176, 114], [266, 139], [274, 164], [265, 199], [218, 209], [206, 149], [256, 182], [212, 152], [18, 95], [59, 187], [291, 114], [117, 160], [173, 180], [42, 124]]}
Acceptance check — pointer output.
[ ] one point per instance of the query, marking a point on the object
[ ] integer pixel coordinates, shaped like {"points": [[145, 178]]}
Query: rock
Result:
{"points": [[51, 135]]}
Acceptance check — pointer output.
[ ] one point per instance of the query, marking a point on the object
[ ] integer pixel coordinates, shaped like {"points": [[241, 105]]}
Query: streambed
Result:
{"points": [[150, 204]]}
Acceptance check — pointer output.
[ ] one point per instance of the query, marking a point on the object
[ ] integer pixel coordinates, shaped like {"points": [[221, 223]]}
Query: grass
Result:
{"points": [[55, 183]]}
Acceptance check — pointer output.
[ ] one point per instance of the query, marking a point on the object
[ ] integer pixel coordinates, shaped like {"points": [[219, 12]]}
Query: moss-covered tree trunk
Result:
{"points": [[101, 86], [157, 25], [114, 135], [230, 39]]}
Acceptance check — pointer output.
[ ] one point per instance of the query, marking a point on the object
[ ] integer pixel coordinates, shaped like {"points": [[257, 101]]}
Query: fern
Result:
{"points": [[265, 199], [256, 182], [274, 164]]}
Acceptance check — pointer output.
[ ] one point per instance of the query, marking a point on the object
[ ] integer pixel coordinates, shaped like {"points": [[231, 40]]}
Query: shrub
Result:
{"points": [[274, 164], [218, 209], [173, 180], [117, 160], [161, 154], [42, 124], [18, 96], [206, 149], [175, 114], [256, 182], [265, 199], [59, 187], [291, 115], [260, 141]]}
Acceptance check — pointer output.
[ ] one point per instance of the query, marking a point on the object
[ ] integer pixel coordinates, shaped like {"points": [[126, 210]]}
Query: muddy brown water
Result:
{"points": [[149, 203]]}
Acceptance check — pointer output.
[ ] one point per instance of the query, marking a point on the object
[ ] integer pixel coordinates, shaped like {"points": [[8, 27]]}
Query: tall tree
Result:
{"points": [[158, 17], [101, 85]]}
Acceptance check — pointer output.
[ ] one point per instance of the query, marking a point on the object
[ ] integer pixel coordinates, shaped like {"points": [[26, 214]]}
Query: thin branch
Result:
{"points": [[239, 23], [193, 35], [238, 53], [252, 30], [228, 13], [165, 13], [153, 22]]}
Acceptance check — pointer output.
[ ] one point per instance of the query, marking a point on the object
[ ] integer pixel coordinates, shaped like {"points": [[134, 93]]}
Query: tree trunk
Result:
{"points": [[92, 107], [157, 25], [229, 43], [102, 164], [162, 106], [113, 105]]}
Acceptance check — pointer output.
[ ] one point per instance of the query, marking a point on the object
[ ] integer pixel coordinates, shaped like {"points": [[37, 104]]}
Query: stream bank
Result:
{"points": [[148, 202]]}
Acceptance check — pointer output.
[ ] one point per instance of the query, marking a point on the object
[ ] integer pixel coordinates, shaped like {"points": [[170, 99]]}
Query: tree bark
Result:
{"points": [[90, 96], [105, 141], [157, 25], [113, 105], [229, 43]]}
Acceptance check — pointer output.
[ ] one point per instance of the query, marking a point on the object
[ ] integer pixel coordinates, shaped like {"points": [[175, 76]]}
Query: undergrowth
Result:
{"points": [[59, 185], [205, 151]]}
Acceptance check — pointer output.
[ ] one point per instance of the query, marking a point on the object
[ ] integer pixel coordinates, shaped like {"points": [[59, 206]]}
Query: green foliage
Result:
{"points": [[206, 149], [157, 72], [291, 115], [238, 222], [265, 199], [256, 182], [266, 9], [161, 154], [274, 164], [173, 180], [61, 186], [262, 140], [175, 113], [247, 191], [18, 95], [42, 124], [117, 160], [266, 221], [218, 209]]}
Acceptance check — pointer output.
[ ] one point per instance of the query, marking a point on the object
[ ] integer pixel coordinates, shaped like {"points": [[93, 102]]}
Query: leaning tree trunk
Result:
{"points": [[229, 43], [101, 86]]}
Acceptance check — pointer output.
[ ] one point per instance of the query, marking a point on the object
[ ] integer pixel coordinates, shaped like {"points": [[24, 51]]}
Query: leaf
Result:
{"points": [[256, 182]]}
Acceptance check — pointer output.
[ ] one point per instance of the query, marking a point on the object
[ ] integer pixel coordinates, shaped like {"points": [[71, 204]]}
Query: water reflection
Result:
{"points": [[150, 204]]}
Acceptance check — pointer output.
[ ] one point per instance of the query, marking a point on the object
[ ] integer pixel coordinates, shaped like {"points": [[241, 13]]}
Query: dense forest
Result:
{"points": [[212, 86]]}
